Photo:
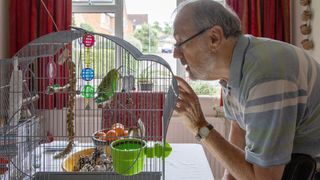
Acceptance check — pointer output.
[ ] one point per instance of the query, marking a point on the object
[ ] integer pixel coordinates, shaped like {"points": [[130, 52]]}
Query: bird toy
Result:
{"points": [[88, 40], [70, 114], [87, 73], [52, 71]]}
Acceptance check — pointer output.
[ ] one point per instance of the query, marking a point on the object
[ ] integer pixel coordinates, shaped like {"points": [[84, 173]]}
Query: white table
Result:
{"points": [[187, 162]]}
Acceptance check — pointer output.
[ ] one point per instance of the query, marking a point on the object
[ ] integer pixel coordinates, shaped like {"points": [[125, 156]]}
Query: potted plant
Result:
{"points": [[150, 76], [145, 82], [147, 76]]}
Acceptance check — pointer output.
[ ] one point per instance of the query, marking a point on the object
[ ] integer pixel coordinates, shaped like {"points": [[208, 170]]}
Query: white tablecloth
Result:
{"points": [[187, 162]]}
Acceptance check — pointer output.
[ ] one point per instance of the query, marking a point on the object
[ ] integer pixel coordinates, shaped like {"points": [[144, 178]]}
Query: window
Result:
{"points": [[145, 24], [151, 27], [141, 22]]}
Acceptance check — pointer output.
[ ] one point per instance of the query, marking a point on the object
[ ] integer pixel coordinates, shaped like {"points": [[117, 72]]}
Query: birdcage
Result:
{"points": [[77, 104]]}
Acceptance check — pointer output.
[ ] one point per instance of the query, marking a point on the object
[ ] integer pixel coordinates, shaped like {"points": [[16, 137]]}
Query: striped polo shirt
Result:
{"points": [[273, 93]]}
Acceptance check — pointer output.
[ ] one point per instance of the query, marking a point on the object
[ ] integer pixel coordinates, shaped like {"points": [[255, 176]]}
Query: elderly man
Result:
{"points": [[271, 92]]}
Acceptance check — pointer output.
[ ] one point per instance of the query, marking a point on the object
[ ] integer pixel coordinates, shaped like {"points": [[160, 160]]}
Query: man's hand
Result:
{"points": [[188, 105], [227, 176]]}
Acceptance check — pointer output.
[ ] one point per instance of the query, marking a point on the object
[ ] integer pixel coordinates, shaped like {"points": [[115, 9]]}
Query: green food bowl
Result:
{"points": [[160, 151], [128, 156]]}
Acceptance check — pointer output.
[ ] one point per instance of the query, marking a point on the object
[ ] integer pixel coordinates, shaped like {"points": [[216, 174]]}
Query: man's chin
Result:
{"points": [[195, 77], [192, 76]]}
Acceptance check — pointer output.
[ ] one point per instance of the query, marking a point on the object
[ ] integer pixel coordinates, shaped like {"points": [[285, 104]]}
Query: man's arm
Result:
{"points": [[229, 155], [233, 159], [237, 138]]}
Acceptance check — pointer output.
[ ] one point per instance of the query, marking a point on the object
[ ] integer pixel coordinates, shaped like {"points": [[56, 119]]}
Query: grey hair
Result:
{"points": [[208, 13]]}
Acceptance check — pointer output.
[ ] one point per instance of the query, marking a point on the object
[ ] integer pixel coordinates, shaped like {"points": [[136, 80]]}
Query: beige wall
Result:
{"points": [[297, 37], [4, 28]]}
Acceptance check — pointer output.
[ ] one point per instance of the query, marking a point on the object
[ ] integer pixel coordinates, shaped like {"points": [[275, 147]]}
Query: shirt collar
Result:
{"points": [[238, 57]]}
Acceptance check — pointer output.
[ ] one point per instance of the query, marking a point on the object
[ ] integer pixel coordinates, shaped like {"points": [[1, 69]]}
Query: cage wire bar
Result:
{"points": [[48, 102]]}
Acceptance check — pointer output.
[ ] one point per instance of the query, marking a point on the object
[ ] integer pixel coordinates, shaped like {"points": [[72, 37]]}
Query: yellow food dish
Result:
{"points": [[69, 163]]}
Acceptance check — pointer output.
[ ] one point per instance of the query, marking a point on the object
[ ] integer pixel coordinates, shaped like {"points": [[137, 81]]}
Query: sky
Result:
{"points": [[158, 10]]}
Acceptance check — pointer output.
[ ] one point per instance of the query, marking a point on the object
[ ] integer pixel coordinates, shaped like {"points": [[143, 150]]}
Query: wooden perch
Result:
{"points": [[52, 89], [29, 100]]}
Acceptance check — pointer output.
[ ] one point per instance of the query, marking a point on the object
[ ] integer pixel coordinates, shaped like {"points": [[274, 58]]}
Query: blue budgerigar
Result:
{"points": [[107, 87]]}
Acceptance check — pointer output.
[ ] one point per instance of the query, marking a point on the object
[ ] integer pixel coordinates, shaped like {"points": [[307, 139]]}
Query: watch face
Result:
{"points": [[204, 131]]}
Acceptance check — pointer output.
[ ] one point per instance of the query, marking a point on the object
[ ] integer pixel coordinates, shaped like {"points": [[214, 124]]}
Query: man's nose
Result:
{"points": [[177, 53]]}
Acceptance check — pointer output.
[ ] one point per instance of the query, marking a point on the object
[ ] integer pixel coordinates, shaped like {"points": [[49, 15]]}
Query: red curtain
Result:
{"points": [[30, 19], [264, 18]]}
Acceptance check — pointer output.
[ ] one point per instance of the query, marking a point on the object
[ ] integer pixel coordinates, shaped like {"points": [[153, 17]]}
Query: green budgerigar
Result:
{"points": [[107, 87]]}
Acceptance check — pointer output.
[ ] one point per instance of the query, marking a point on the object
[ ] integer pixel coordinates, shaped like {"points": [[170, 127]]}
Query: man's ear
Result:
{"points": [[216, 36]]}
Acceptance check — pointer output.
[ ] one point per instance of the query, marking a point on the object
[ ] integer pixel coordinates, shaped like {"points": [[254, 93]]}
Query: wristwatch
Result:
{"points": [[203, 132]]}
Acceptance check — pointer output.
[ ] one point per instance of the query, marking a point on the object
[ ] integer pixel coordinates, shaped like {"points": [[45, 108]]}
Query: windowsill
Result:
{"points": [[209, 105]]}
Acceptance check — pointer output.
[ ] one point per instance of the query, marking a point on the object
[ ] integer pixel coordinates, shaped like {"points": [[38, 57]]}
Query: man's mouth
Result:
{"points": [[187, 67]]}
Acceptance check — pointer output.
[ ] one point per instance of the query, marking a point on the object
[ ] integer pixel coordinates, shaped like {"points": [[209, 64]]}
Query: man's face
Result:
{"points": [[192, 49], [205, 52]]}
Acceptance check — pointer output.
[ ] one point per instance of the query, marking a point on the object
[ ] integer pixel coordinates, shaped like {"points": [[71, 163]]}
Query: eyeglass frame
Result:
{"points": [[178, 45]]}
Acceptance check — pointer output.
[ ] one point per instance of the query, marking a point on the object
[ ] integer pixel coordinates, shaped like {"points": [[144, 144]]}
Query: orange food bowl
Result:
{"points": [[103, 137]]}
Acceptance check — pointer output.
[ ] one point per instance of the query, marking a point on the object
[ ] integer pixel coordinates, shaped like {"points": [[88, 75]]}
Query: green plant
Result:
{"points": [[205, 88], [86, 27], [148, 36], [152, 71], [152, 75], [146, 74], [145, 82], [134, 41]]}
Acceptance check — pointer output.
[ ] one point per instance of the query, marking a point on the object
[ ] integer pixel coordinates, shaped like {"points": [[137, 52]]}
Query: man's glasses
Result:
{"points": [[178, 45]]}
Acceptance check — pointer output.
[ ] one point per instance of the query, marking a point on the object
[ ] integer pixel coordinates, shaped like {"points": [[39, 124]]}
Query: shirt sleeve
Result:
{"points": [[271, 112]]}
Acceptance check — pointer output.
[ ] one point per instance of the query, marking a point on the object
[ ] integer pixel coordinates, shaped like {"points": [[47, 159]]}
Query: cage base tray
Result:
{"points": [[95, 175]]}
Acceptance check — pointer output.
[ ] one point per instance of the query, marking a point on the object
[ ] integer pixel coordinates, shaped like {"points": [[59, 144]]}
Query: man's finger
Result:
{"points": [[184, 84], [183, 93], [180, 109], [180, 103]]}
